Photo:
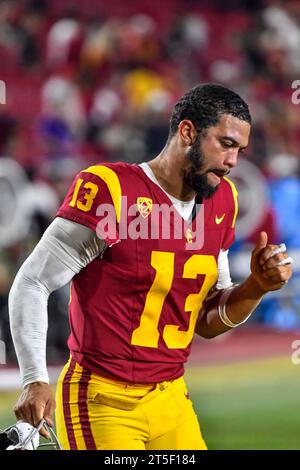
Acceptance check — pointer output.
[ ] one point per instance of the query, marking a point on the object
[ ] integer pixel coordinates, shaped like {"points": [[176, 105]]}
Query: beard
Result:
{"points": [[198, 182]]}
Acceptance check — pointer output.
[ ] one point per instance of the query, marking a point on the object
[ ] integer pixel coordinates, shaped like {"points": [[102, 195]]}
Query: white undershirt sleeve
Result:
{"points": [[65, 248], [224, 278]]}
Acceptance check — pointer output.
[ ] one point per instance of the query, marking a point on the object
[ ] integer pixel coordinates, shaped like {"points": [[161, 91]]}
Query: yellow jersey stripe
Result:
{"points": [[235, 198], [112, 181]]}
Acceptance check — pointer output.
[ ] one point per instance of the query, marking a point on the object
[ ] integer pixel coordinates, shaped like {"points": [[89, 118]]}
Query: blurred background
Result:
{"points": [[95, 81]]}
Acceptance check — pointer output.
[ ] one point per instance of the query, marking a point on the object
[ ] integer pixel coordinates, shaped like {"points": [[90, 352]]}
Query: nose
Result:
{"points": [[231, 158]]}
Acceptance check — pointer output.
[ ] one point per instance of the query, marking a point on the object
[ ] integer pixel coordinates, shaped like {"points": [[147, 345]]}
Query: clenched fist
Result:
{"points": [[270, 265], [36, 402]]}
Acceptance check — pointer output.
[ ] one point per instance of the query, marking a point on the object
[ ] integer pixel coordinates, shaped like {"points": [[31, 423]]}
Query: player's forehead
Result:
{"points": [[231, 127]]}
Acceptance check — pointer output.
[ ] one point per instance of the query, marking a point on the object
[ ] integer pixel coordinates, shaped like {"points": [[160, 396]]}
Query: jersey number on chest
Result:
{"points": [[147, 334]]}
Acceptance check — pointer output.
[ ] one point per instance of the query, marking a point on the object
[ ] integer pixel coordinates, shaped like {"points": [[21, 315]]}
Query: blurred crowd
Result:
{"points": [[95, 81]]}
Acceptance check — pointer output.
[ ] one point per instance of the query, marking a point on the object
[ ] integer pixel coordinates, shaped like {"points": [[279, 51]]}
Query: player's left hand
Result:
{"points": [[271, 266]]}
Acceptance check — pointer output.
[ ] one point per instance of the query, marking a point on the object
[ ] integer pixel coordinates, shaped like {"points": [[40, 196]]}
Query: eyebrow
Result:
{"points": [[233, 141]]}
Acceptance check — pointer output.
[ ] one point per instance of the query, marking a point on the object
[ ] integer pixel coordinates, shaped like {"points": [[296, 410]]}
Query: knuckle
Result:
{"points": [[270, 264], [17, 409], [25, 408], [266, 251]]}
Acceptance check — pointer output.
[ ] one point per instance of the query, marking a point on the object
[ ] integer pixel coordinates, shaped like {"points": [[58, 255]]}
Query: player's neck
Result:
{"points": [[168, 171]]}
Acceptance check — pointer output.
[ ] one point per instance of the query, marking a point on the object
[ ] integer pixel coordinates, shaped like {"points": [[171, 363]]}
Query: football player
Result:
{"points": [[137, 294]]}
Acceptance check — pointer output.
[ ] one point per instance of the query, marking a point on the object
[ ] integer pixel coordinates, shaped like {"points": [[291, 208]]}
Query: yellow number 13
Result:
{"points": [[89, 195], [147, 334]]}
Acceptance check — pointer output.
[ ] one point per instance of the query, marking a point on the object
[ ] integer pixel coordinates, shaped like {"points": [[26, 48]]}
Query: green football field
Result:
{"points": [[249, 405], [252, 405]]}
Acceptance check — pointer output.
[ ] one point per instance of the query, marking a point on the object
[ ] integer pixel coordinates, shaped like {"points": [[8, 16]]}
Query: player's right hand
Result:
{"points": [[36, 402]]}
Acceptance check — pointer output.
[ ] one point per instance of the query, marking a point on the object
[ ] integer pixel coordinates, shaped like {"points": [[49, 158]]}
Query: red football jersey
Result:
{"points": [[133, 309]]}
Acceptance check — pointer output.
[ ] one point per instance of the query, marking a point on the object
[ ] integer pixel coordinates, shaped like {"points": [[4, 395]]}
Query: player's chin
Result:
{"points": [[213, 179], [200, 184], [207, 191]]}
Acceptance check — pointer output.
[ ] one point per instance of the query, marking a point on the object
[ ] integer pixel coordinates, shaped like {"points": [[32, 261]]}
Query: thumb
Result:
{"points": [[261, 243]]}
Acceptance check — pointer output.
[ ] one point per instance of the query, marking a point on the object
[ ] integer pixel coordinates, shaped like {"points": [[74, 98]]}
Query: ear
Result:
{"points": [[187, 132]]}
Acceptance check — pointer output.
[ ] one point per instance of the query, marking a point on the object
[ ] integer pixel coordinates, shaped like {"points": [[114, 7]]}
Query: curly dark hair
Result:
{"points": [[204, 105]]}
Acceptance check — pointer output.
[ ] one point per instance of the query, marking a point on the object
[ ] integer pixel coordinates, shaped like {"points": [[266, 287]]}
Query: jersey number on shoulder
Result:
{"points": [[147, 334], [89, 195]]}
